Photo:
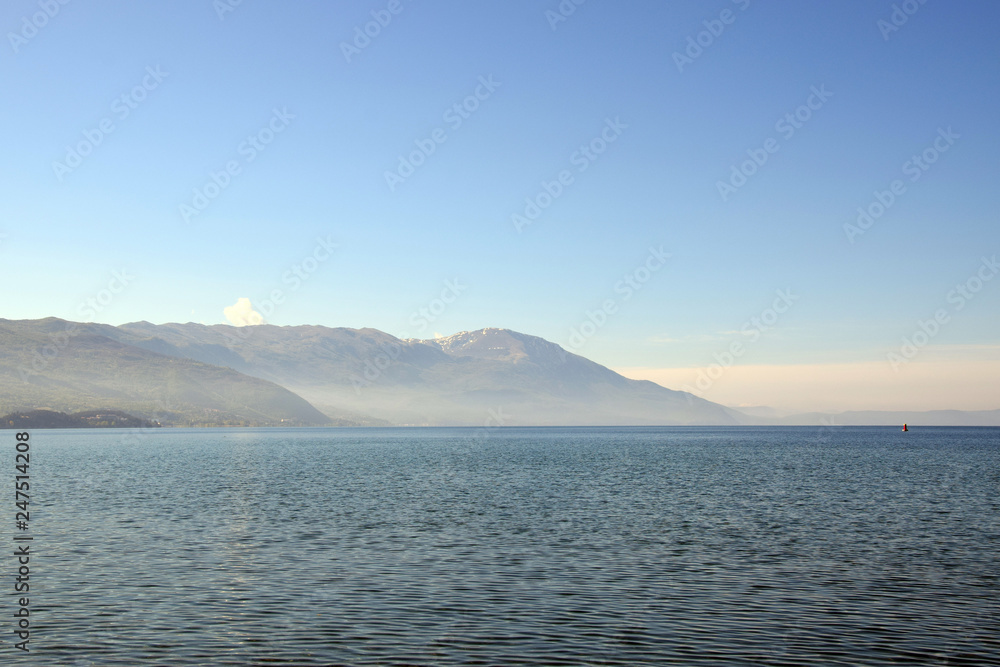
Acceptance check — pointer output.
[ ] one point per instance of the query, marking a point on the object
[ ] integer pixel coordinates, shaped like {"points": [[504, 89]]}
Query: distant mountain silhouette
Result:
{"points": [[193, 374], [70, 367], [483, 377]]}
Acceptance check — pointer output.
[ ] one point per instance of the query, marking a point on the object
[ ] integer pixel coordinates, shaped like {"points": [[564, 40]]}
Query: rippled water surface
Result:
{"points": [[513, 546]]}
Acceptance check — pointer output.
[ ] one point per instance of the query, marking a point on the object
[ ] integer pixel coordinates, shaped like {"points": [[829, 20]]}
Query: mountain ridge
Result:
{"points": [[455, 380], [186, 374], [70, 367]]}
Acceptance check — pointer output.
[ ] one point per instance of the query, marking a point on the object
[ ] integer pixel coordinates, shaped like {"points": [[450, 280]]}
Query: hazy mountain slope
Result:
{"points": [[63, 366], [478, 377], [191, 373]]}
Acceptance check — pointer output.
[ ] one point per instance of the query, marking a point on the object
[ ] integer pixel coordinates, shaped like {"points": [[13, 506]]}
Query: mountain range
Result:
{"points": [[194, 374]]}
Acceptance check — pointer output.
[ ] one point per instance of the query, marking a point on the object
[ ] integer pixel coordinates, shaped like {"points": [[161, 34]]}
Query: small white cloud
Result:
{"points": [[242, 314]]}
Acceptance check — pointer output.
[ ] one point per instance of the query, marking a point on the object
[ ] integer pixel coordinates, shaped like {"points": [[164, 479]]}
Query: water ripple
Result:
{"points": [[534, 546]]}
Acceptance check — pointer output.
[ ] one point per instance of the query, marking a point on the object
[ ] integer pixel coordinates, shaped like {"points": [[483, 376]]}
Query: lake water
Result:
{"points": [[574, 546]]}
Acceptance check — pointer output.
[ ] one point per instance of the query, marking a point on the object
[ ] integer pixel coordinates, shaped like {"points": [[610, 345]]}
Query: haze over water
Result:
{"points": [[599, 546]]}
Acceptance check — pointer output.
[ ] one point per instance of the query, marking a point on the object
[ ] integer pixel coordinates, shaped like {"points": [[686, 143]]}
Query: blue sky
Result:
{"points": [[200, 85]]}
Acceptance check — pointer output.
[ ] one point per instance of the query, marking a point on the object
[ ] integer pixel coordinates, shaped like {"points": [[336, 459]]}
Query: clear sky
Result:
{"points": [[694, 166]]}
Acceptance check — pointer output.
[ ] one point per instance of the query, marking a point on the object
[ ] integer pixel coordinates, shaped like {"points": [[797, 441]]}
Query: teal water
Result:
{"points": [[589, 546]]}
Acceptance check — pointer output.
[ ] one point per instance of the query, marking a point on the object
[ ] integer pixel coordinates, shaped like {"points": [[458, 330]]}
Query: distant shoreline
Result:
{"points": [[52, 419]]}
